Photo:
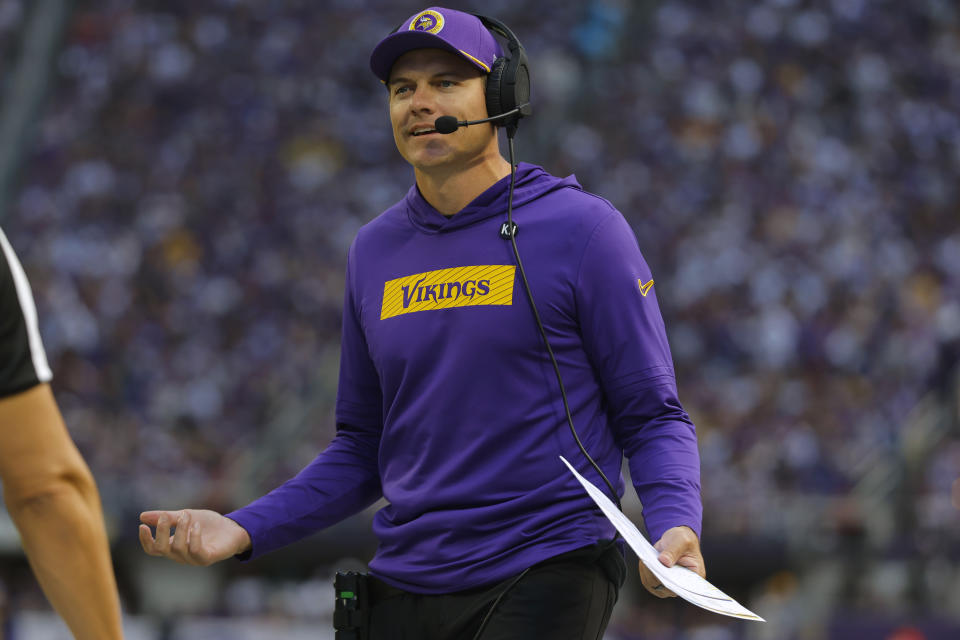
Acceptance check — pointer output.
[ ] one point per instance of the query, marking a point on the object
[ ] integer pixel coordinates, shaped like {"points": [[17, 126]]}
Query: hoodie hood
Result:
{"points": [[532, 182]]}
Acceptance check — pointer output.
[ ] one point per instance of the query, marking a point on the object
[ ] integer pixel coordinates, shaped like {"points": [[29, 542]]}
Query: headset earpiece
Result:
{"points": [[508, 83], [493, 89]]}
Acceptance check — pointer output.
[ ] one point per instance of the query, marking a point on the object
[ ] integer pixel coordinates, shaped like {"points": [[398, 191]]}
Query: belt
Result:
{"points": [[380, 590]]}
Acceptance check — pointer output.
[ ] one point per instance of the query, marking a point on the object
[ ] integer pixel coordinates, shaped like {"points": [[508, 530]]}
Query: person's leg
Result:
{"points": [[395, 615], [400, 615], [566, 598]]}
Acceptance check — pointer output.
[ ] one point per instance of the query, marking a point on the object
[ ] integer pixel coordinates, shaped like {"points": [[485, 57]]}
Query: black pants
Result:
{"points": [[568, 597]]}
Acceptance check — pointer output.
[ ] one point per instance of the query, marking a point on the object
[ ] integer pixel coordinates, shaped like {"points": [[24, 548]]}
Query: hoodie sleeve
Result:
{"points": [[344, 479], [625, 339]]}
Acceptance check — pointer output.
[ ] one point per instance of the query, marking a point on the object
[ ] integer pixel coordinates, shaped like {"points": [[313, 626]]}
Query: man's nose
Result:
{"points": [[423, 100]]}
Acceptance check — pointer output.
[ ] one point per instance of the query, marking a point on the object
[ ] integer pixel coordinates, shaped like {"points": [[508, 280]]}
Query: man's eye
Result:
{"points": [[400, 90], [446, 84]]}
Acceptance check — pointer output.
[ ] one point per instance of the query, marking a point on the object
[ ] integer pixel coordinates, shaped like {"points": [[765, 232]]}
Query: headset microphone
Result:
{"points": [[449, 124]]}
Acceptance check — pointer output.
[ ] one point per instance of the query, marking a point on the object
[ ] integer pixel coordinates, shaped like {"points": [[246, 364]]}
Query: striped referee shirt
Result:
{"points": [[23, 362]]}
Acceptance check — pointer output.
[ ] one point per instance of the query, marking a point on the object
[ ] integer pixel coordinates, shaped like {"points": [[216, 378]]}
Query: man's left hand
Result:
{"points": [[678, 545]]}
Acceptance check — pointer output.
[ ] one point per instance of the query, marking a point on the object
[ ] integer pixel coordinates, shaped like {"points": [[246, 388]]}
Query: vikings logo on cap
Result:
{"points": [[429, 21]]}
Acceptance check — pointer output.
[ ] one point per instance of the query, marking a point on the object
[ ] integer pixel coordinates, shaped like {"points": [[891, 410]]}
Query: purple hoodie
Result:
{"points": [[448, 405]]}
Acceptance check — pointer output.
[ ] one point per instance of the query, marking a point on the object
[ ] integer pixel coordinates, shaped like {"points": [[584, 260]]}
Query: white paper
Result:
{"points": [[680, 580]]}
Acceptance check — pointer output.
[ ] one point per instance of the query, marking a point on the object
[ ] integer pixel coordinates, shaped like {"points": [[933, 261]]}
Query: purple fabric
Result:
{"points": [[437, 28], [453, 413]]}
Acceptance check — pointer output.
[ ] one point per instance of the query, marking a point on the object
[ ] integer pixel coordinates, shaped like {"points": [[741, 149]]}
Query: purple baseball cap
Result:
{"points": [[438, 28]]}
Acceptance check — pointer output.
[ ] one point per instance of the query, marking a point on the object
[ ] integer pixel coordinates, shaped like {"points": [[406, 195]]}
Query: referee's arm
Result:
{"points": [[48, 488]]}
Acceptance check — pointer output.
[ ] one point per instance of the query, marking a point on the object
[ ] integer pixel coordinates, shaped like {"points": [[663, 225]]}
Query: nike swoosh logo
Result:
{"points": [[644, 288]]}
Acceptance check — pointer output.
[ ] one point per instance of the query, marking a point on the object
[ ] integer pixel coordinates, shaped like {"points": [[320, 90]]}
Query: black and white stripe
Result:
{"points": [[23, 362]]}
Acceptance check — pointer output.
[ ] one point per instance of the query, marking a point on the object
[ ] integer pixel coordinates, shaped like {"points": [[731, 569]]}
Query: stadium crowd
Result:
{"points": [[791, 169]]}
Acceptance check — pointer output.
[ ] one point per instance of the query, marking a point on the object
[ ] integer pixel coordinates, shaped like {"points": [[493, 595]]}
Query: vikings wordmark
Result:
{"points": [[478, 285]]}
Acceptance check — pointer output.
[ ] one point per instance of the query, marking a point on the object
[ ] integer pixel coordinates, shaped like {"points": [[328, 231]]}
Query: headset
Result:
{"points": [[508, 83]]}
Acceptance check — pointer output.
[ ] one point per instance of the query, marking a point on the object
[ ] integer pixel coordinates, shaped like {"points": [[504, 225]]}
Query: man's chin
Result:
{"points": [[427, 158]]}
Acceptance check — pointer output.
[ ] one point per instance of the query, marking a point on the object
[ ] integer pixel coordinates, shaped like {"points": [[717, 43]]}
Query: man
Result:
{"points": [[448, 405], [48, 488]]}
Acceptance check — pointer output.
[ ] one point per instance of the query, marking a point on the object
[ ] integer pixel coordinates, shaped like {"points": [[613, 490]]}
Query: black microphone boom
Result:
{"points": [[449, 124]]}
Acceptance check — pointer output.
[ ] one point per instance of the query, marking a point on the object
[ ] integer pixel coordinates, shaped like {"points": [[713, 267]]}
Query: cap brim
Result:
{"points": [[397, 44]]}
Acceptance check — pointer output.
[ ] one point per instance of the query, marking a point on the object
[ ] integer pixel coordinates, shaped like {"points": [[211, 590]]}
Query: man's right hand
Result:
{"points": [[201, 538]]}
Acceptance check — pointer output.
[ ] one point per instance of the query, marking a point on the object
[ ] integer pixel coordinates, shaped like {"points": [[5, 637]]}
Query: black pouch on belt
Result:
{"points": [[351, 609]]}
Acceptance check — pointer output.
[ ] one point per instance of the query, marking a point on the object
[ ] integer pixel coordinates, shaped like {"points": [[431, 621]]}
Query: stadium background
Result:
{"points": [[182, 180]]}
